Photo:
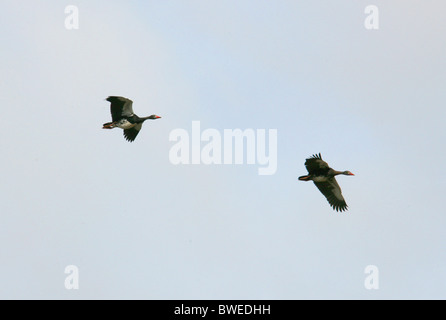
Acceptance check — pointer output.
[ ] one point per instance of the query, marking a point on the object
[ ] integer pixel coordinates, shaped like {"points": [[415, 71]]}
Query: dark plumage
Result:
{"points": [[123, 117], [324, 178]]}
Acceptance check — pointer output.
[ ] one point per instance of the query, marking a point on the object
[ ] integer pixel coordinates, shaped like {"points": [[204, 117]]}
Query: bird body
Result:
{"points": [[324, 178], [319, 178], [123, 117], [123, 124]]}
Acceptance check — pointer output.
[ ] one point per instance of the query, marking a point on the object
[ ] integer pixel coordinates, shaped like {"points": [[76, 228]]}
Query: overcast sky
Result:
{"points": [[139, 227]]}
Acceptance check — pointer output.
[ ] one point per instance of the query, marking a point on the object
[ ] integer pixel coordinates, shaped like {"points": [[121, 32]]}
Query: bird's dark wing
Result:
{"points": [[331, 190], [130, 134], [120, 107], [315, 165]]}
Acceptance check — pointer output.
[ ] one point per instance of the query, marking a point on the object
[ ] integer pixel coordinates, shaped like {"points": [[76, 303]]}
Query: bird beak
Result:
{"points": [[157, 117], [351, 174]]}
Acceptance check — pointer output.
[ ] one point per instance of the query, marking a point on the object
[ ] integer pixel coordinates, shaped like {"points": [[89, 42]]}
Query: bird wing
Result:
{"points": [[120, 107], [130, 134], [332, 191], [315, 165]]}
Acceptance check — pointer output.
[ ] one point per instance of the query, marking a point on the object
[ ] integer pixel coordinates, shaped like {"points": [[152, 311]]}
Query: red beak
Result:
{"points": [[157, 117]]}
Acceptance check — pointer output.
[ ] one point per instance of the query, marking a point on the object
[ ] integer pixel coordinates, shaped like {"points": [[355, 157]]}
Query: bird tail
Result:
{"points": [[109, 125], [305, 178]]}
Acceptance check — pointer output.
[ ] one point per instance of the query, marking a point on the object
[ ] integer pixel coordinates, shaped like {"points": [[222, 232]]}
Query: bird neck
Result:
{"points": [[140, 120], [146, 118]]}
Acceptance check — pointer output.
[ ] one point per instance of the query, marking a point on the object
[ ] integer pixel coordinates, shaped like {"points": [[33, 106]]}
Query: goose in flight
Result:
{"points": [[324, 178], [124, 118]]}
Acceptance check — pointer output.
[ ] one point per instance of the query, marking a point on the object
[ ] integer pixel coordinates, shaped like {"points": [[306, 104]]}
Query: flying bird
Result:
{"points": [[124, 118], [324, 178]]}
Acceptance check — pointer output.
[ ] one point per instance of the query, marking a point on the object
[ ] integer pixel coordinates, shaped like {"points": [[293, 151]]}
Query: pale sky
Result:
{"points": [[139, 227]]}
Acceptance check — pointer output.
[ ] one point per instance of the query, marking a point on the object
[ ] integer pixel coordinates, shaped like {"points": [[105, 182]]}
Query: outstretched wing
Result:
{"points": [[130, 134], [331, 190], [120, 107], [315, 165]]}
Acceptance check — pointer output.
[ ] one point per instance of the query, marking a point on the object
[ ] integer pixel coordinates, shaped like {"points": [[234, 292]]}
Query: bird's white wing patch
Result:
{"points": [[127, 109], [337, 193]]}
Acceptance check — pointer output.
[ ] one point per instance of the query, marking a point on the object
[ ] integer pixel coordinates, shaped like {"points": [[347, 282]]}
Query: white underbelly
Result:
{"points": [[124, 124]]}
